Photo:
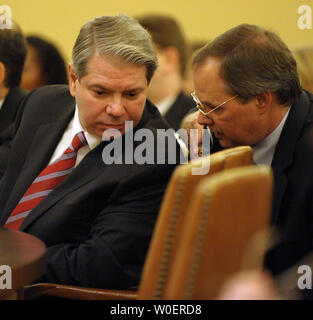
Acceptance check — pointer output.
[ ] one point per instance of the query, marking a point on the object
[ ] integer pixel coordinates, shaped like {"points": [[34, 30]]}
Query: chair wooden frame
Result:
{"points": [[219, 235]]}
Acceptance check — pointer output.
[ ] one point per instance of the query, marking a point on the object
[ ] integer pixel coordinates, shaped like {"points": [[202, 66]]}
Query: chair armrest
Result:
{"points": [[75, 293]]}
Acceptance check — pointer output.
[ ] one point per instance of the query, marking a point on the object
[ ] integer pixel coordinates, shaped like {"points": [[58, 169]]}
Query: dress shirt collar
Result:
{"points": [[92, 140], [263, 152], [1, 103]]}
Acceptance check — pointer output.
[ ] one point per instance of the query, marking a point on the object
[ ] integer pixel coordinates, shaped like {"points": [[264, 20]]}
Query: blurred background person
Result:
{"points": [[188, 80], [249, 285], [166, 87], [12, 58], [44, 64], [304, 59]]}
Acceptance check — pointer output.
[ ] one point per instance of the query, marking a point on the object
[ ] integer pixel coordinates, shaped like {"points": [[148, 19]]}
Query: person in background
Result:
{"points": [[249, 285], [44, 64], [12, 58], [188, 80], [166, 87], [304, 58]]}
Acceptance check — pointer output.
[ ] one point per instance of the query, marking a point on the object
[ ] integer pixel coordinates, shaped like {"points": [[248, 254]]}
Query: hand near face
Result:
{"points": [[191, 122]]}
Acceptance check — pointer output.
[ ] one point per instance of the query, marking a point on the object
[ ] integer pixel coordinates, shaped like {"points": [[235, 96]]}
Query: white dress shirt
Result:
{"points": [[1, 103], [72, 129], [166, 104], [263, 152]]}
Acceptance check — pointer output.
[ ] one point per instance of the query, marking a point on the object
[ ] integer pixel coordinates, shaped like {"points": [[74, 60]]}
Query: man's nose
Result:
{"points": [[115, 107], [205, 120]]}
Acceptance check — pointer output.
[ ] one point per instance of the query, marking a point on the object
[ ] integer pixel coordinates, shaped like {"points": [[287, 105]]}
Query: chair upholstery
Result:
{"points": [[167, 230], [226, 215], [237, 156], [166, 233]]}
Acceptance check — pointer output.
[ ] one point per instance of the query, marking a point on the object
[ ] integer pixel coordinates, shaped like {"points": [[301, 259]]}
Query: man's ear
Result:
{"points": [[2, 74], [72, 80], [264, 101]]}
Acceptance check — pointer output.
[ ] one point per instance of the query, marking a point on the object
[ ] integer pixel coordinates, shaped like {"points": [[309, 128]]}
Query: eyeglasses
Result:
{"points": [[202, 108]]}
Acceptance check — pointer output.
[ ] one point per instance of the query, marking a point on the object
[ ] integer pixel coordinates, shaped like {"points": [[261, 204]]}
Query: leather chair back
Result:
{"points": [[167, 232], [237, 156], [227, 212], [171, 217]]}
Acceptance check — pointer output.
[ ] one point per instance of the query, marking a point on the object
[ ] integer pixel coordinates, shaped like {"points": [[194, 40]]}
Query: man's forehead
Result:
{"points": [[207, 77], [210, 64], [111, 65], [108, 59]]}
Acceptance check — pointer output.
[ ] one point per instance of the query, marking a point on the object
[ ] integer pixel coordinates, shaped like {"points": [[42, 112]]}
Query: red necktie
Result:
{"points": [[46, 181]]}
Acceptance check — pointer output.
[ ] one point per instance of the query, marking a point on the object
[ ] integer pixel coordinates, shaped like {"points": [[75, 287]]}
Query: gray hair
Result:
{"points": [[119, 36]]}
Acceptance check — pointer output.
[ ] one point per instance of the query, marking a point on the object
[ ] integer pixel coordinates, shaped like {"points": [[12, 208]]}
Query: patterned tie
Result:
{"points": [[47, 180]]}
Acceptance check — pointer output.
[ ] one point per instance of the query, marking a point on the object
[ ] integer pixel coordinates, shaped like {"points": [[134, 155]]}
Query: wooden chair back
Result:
{"points": [[226, 213], [237, 156], [171, 217], [167, 232]]}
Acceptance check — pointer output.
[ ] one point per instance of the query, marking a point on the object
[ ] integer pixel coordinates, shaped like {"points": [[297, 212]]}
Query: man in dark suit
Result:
{"points": [[97, 222], [12, 58], [248, 93], [166, 88]]}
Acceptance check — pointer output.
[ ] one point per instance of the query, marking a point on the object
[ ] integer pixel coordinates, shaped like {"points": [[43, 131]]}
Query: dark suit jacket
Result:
{"points": [[178, 110], [293, 187], [8, 114], [98, 222]]}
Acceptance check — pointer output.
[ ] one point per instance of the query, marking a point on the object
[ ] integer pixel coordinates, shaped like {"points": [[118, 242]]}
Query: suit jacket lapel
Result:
{"points": [[86, 171], [40, 151], [284, 152]]}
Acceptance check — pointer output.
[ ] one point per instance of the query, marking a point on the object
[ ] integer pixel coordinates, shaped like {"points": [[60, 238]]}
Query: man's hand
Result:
{"points": [[191, 122]]}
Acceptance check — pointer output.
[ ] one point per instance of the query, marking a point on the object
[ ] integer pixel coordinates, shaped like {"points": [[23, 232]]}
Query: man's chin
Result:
{"points": [[226, 143]]}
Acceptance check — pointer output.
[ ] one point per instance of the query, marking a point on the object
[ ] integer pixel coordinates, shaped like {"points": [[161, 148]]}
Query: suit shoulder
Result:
{"points": [[185, 101], [309, 95], [46, 104], [48, 97], [51, 91]]}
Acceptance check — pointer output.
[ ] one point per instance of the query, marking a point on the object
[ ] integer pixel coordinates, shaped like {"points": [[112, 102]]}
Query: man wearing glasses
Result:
{"points": [[248, 93]]}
